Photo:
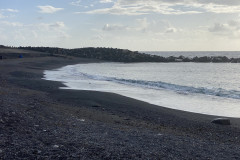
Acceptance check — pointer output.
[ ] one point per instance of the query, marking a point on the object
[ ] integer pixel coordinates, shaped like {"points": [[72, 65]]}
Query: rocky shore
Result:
{"points": [[39, 121]]}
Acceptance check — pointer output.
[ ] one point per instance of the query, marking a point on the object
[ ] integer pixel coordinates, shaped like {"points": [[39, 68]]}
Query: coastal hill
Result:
{"points": [[107, 54], [14, 52]]}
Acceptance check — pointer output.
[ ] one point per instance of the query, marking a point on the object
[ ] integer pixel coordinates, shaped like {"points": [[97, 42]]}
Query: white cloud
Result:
{"points": [[45, 34], [97, 37], [154, 27], [171, 30], [49, 9], [175, 7], [57, 25], [217, 2], [1, 16], [105, 1], [221, 2], [10, 10], [141, 26], [40, 26], [219, 28], [229, 29], [76, 3], [139, 7], [4, 12], [113, 27], [11, 24], [221, 8]]}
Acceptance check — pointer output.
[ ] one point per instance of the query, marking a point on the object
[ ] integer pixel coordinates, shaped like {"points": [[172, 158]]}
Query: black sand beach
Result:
{"points": [[40, 121]]}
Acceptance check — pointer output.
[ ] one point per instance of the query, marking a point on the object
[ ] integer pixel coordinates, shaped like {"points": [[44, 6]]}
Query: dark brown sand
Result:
{"points": [[40, 121]]}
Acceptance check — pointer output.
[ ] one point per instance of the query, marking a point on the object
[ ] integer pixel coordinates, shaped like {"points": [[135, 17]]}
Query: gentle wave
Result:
{"points": [[219, 92]]}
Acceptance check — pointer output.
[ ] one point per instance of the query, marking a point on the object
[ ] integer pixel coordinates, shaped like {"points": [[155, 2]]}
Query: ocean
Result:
{"points": [[190, 54], [207, 88]]}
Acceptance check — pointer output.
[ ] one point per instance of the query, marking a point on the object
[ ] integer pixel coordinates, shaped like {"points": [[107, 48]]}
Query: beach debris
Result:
{"points": [[222, 121]]}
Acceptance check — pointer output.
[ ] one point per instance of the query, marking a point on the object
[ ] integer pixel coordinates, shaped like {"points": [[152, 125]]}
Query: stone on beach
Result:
{"points": [[222, 121], [55, 146]]}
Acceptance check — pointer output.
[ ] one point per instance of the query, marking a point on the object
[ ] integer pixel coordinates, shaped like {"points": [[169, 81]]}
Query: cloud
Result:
{"points": [[45, 27], [214, 8], [140, 27], [108, 27], [219, 28], [230, 29], [174, 7], [4, 12], [10, 10], [45, 34], [1, 16], [57, 25], [154, 27], [76, 3], [171, 30], [220, 2], [97, 37], [11, 24], [140, 7], [217, 2], [49, 9], [105, 1]]}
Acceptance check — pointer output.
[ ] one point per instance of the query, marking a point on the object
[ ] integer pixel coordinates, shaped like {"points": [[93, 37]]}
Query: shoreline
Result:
{"points": [[40, 105], [178, 97]]}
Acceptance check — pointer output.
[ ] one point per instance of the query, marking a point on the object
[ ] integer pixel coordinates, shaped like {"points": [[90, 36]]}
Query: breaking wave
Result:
{"points": [[158, 85]]}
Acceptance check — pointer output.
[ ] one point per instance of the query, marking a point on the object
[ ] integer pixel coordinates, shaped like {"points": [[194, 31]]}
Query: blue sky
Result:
{"points": [[143, 25]]}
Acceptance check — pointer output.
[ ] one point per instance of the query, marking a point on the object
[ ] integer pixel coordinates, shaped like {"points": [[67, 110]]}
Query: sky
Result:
{"points": [[138, 25]]}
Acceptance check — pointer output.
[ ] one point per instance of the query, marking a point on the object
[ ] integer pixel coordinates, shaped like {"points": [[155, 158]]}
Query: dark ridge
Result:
{"points": [[2, 46], [124, 55]]}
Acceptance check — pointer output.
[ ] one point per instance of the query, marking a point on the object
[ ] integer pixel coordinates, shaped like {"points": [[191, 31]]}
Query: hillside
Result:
{"points": [[11, 53], [106, 54]]}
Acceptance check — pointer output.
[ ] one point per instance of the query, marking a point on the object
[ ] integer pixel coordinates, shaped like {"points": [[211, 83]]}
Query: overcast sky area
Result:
{"points": [[139, 25]]}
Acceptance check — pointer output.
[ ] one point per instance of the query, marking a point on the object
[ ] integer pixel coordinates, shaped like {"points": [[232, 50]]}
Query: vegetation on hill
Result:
{"points": [[121, 55]]}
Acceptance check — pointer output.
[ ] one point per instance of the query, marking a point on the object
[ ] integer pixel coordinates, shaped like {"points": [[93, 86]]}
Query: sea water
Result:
{"points": [[190, 54], [208, 88]]}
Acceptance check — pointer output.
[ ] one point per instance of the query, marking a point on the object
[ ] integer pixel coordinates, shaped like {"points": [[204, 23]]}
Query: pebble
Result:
{"points": [[221, 121], [1, 151], [1, 121], [82, 120], [55, 146]]}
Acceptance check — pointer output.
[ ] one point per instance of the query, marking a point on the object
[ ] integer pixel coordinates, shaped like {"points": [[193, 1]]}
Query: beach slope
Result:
{"points": [[38, 120]]}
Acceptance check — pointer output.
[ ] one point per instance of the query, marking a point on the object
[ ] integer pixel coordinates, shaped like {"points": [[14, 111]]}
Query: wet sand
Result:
{"points": [[38, 120]]}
